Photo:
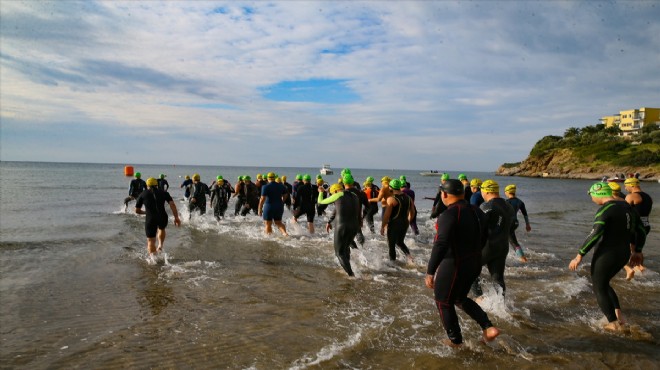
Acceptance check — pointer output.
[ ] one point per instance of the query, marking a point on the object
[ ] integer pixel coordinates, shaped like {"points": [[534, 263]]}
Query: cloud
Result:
{"points": [[341, 80]]}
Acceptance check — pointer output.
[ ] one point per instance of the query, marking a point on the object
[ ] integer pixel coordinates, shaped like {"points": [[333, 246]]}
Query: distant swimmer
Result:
{"points": [[154, 201], [642, 203], [455, 263], [499, 217], [400, 210], [518, 205], [198, 193], [289, 191], [466, 185], [185, 185], [271, 204], [371, 192], [252, 195], [135, 188], [618, 237], [347, 219], [162, 183], [219, 198]]}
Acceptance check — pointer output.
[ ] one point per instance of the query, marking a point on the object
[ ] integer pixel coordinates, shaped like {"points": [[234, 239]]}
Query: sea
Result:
{"points": [[77, 289]]}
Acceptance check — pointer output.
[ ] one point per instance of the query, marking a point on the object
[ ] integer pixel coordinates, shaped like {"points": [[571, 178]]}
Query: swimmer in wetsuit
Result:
{"points": [[185, 185], [136, 187], [400, 210], [162, 183], [350, 186], [499, 217], [618, 237], [198, 193], [476, 198], [642, 203], [154, 201], [371, 191], [405, 188], [251, 193], [347, 220], [466, 186], [239, 195], [304, 204], [518, 205], [271, 204], [455, 263], [219, 198]]}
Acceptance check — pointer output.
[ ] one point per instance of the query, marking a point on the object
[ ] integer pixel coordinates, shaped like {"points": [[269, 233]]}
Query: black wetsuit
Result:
{"points": [[136, 187], [346, 217], [499, 217], [398, 224], [438, 206], [186, 186], [467, 191], [198, 192], [644, 210], [289, 192], [517, 205], [304, 201], [154, 203], [364, 203], [218, 200], [252, 196], [372, 207], [456, 263], [616, 226], [240, 197], [163, 184]]}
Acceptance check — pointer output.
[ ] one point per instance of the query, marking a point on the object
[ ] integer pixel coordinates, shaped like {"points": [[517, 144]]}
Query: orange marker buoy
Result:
{"points": [[128, 171]]}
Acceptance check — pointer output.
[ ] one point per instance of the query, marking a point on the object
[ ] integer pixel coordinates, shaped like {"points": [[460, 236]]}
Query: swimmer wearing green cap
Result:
{"points": [[616, 227], [396, 220]]}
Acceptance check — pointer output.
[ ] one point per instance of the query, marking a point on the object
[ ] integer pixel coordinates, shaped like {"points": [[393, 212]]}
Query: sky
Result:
{"points": [[460, 85]]}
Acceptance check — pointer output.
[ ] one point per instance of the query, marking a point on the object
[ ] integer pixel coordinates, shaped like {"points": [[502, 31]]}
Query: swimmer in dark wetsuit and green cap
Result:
{"points": [[618, 236]]}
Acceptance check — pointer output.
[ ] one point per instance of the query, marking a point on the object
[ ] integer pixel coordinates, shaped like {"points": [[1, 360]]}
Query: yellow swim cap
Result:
{"points": [[152, 182], [270, 175], [614, 186], [386, 179], [187, 177], [283, 178], [221, 181], [196, 177], [510, 189], [335, 188], [475, 183], [490, 186], [633, 181]]}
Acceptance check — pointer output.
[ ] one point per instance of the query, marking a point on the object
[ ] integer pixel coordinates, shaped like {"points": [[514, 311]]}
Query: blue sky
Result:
{"points": [[406, 85]]}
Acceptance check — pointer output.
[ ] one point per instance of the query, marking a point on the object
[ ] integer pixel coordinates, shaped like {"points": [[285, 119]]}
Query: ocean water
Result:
{"points": [[77, 291]]}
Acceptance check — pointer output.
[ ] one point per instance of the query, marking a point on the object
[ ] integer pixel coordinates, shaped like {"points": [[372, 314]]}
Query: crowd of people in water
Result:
{"points": [[474, 227]]}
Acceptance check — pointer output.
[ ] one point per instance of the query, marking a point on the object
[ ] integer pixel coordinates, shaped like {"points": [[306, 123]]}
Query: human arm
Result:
{"points": [[333, 198], [262, 200], [411, 211], [391, 202], [175, 212], [523, 210]]}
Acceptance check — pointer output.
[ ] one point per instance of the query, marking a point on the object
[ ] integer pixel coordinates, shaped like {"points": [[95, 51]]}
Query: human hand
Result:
{"points": [[575, 262], [328, 227], [528, 228], [429, 281], [636, 259]]}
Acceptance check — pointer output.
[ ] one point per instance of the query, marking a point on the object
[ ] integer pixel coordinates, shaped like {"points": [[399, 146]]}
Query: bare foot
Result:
{"points": [[160, 249], [619, 316], [451, 344], [411, 261], [523, 259], [612, 326], [479, 299], [630, 273], [491, 333]]}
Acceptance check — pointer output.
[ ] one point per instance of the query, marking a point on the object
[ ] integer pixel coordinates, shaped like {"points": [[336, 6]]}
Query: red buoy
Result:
{"points": [[128, 171]]}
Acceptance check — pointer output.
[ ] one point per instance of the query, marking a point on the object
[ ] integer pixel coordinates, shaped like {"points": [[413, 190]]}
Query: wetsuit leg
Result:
{"points": [[513, 240], [369, 216], [400, 238], [604, 267], [396, 232], [126, 200], [238, 206], [343, 239], [496, 270]]}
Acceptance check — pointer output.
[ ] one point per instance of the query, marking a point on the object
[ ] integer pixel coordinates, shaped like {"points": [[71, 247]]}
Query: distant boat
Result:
{"points": [[431, 173], [326, 170]]}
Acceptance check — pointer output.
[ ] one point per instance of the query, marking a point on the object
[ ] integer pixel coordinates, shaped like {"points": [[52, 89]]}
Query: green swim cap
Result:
{"points": [[369, 180], [307, 177], [345, 171], [240, 178], [445, 176], [219, 178], [162, 176], [138, 175], [347, 179], [248, 178], [600, 190], [395, 184], [299, 177], [402, 178], [319, 177], [461, 176]]}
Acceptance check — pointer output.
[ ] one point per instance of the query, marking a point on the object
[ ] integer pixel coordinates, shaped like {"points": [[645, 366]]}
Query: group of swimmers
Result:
{"points": [[474, 228]]}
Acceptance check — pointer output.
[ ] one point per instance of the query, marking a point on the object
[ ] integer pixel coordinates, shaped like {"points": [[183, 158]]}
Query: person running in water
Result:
{"points": [[304, 202], [156, 219], [405, 188], [400, 210], [517, 205], [455, 263], [350, 186], [499, 217], [239, 195], [271, 204], [162, 183], [289, 191], [618, 236], [642, 203], [371, 192], [135, 188], [198, 193], [185, 185], [219, 198], [252, 195], [347, 220], [383, 194]]}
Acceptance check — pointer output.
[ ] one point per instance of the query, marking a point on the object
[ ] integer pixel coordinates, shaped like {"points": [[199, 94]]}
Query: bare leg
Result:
{"points": [[269, 227], [310, 227], [280, 225], [151, 245], [630, 272], [619, 316], [161, 239]]}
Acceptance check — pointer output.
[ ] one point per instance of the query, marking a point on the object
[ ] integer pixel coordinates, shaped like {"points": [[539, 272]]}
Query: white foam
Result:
{"points": [[328, 352]]}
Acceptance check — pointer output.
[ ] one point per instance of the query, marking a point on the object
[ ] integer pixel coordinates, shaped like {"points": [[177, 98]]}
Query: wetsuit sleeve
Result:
{"points": [[140, 200], [442, 241], [331, 199], [523, 210], [596, 232]]}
